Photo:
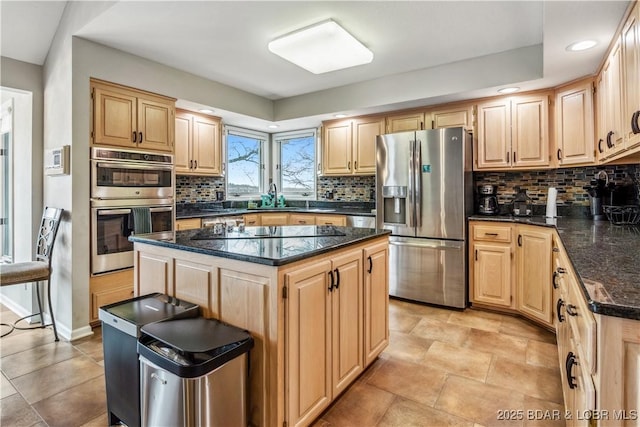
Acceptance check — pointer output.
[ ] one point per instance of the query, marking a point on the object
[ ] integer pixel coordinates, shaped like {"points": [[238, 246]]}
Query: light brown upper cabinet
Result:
{"points": [[610, 103], [513, 132], [574, 124], [630, 40], [349, 146], [406, 121], [198, 144], [453, 116], [129, 118]]}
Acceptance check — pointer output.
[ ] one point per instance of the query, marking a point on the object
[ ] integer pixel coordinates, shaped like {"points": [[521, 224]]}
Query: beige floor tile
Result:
{"points": [[542, 413], [402, 322], [534, 381], [88, 401], [53, 379], [39, 357], [479, 402], [91, 346], [422, 310], [407, 413], [525, 329], [457, 360], [441, 331], [542, 354], [413, 381], [6, 389], [360, 405], [407, 347], [17, 342], [15, 411], [498, 344], [477, 319]]}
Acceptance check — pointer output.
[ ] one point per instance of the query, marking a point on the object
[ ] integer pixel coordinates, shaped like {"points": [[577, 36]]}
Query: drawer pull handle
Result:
{"points": [[555, 282], [556, 249], [559, 306], [491, 234], [571, 360], [572, 310]]}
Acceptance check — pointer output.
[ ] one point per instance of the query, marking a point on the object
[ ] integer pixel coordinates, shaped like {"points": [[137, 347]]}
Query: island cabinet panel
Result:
{"points": [[308, 342], [267, 219], [534, 268], [301, 219], [197, 283], [152, 273], [244, 302], [376, 301]]}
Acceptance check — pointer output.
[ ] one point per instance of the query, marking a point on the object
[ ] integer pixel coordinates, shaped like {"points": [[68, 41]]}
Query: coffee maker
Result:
{"points": [[488, 199]]}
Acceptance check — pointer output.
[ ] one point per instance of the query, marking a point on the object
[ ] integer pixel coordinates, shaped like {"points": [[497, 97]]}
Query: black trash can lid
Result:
{"points": [[197, 335], [151, 308]]}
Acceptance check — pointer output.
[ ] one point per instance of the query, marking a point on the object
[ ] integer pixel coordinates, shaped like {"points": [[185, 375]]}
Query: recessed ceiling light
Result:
{"points": [[583, 45], [273, 126], [340, 116], [508, 89], [207, 110], [321, 48]]}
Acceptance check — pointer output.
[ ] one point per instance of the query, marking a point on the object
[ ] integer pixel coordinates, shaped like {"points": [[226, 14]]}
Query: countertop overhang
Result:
{"points": [[606, 258], [270, 250]]}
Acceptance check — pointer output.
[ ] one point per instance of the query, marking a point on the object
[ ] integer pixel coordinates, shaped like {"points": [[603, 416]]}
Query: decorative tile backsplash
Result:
{"points": [[571, 183], [194, 189]]}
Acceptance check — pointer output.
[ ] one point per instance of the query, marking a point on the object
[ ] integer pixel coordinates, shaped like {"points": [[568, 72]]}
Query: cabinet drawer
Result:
{"points": [[492, 233], [110, 296], [582, 322]]}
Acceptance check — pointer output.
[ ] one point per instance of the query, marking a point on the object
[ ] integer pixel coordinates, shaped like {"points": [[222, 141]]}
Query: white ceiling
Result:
{"points": [[226, 41]]}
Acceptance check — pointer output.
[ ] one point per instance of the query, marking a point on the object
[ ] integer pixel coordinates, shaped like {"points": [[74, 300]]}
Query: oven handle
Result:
{"points": [[163, 209], [116, 165], [113, 211]]}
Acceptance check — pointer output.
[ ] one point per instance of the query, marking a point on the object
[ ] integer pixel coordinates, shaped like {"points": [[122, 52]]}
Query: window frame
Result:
{"points": [[276, 171], [7, 250], [263, 137]]}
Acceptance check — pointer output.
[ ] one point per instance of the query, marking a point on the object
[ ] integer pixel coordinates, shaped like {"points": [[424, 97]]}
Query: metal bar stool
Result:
{"points": [[36, 271]]}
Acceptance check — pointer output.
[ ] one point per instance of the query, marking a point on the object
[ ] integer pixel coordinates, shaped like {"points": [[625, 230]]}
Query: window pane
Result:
{"points": [[243, 160], [297, 160]]}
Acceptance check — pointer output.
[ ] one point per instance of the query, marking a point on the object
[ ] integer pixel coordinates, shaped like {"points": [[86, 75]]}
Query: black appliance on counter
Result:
{"points": [[121, 324], [488, 200]]}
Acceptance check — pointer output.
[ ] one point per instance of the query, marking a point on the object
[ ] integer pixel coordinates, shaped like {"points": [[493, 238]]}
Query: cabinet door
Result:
{"points": [[530, 131], [601, 117], [308, 342], [405, 122], [346, 313], [534, 266], [453, 117], [155, 125], [492, 274], [631, 60], [376, 301], [182, 156], [494, 135], [198, 284], [251, 219], [612, 102], [574, 125], [206, 149], [114, 115], [336, 149], [365, 132]]}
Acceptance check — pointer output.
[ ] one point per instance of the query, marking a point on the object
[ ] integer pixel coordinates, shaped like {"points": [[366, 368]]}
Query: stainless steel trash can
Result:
{"points": [[121, 323], [194, 372]]}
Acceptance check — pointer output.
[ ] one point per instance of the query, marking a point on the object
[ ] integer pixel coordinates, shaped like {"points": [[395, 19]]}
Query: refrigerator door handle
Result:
{"points": [[412, 200], [417, 166]]}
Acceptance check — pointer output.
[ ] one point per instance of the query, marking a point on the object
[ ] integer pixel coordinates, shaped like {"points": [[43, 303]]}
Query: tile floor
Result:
{"points": [[441, 368]]}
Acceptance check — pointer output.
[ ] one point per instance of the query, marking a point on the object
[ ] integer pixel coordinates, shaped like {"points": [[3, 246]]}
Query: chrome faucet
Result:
{"points": [[273, 192]]}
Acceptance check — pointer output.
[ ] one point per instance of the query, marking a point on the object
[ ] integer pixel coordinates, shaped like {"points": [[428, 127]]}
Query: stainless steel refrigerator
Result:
{"points": [[424, 194]]}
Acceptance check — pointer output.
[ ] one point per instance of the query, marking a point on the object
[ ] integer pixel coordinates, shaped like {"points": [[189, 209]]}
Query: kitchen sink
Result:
{"points": [[320, 210]]}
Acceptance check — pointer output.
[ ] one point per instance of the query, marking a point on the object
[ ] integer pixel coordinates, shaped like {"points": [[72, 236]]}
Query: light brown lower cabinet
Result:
{"points": [[107, 289], [316, 323]]}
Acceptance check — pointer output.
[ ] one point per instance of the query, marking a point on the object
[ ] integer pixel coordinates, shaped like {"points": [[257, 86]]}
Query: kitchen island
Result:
{"points": [[315, 299]]}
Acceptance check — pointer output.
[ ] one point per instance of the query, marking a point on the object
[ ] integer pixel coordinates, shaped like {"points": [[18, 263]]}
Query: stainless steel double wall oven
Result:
{"points": [[122, 181]]}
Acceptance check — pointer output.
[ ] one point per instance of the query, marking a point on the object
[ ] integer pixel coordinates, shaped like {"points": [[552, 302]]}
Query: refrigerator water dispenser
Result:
{"points": [[395, 198]]}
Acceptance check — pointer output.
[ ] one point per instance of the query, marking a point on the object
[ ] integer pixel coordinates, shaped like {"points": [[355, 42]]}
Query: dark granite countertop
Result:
{"points": [[605, 256], [211, 210], [268, 250]]}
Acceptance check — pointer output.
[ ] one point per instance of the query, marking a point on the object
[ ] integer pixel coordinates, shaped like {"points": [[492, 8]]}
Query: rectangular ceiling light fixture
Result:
{"points": [[321, 48]]}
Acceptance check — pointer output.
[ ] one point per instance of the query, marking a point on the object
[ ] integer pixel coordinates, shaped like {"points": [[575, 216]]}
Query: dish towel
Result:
{"points": [[141, 220]]}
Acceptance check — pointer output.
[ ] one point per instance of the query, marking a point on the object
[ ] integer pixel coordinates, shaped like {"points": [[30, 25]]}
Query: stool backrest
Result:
{"points": [[47, 233]]}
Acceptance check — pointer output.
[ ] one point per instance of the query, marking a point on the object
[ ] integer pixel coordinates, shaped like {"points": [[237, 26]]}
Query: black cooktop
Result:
{"points": [[271, 232]]}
